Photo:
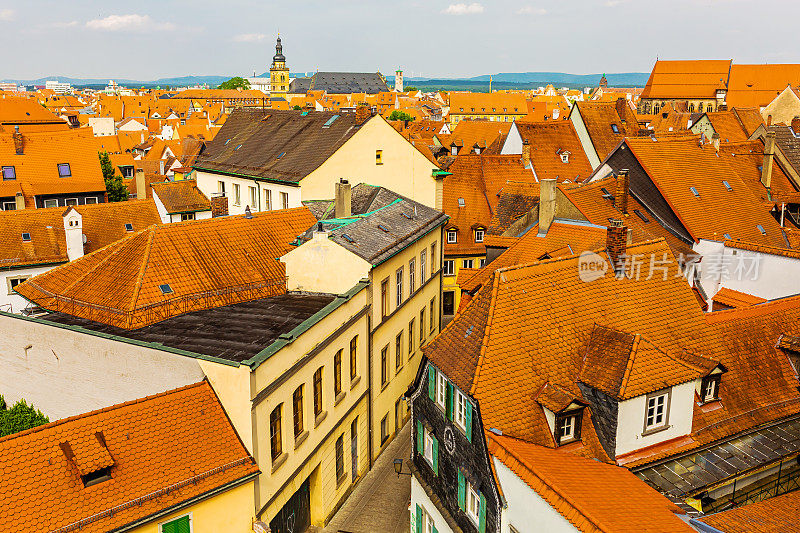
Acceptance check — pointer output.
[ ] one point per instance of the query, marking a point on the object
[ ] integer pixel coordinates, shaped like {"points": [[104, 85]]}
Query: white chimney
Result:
{"points": [[73, 230]]}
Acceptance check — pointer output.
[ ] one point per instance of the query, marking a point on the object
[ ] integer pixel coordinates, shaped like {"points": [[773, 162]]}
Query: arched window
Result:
{"points": [[700, 107], [691, 108], [655, 109]]}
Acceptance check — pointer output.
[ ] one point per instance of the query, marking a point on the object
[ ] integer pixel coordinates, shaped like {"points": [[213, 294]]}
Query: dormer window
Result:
{"points": [[709, 389], [129, 227], [479, 235], [453, 149], [565, 157], [64, 171], [568, 427], [452, 236], [656, 415]]}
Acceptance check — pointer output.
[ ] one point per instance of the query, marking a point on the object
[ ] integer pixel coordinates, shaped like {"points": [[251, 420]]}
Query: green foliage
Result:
{"points": [[297, 108], [400, 115], [19, 418], [409, 88], [235, 83], [117, 191]]}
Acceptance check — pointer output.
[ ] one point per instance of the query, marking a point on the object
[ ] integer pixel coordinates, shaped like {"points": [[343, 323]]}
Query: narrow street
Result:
{"points": [[379, 504]]}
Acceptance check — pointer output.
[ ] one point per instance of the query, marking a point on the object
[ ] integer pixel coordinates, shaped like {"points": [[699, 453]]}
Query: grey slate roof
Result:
{"points": [[233, 332], [383, 222], [299, 85], [276, 145], [348, 82], [789, 143]]}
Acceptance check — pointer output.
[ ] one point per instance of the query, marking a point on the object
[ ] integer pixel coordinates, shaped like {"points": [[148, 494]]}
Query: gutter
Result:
{"points": [[248, 176]]}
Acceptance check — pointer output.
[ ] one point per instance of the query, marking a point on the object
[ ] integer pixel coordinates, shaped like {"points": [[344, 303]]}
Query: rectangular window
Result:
{"points": [[9, 173], [433, 314], [337, 373], [378, 157], [460, 411], [318, 392], [13, 282], [449, 267], [466, 263], [441, 390], [709, 389], [187, 216], [340, 459], [656, 411], [384, 428], [412, 281], [267, 200], [253, 198], [385, 365], [237, 194], [179, 525], [482, 263], [284, 200], [297, 404], [385, 298], [433, 258], [478, 235], [411, 337], [354, 447], [399, 285], [423, 263], [568, 427], [448, 303], [71, 201], [90, 200], [353, 358], [276, 444], [398, 351], [64, 171], [51, 203], [10, 206], [221, 187], [428, 448], [452, 236], [422, 325], [473, 503]]}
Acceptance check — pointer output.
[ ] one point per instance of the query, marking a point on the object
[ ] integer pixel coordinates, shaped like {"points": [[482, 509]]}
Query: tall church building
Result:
{"points": [[279, 73]]}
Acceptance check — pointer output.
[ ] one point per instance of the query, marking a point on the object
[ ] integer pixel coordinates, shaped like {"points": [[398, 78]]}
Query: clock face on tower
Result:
{"points": [[449, 440]]}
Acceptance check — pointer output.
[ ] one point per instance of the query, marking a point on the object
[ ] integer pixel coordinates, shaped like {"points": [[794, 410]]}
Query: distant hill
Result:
{"points": [[81, 82]]}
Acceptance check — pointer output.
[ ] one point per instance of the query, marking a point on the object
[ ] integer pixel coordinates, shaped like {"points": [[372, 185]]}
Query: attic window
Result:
{"points": [[281, 155], [407, 216], [166, 289], [64, 170], [129, 227], [239, 146], [330, 121], [9, 174], [568, 427], [452, 236], [26, 237], [761, 229], [348, 238], [709, 389], [226, 142], [614, 128], [606, 195], [565, 157], [641, 215], [727, 185], [98, 476], [694, 192], [383, 228], [460, 202], [727, 235]]}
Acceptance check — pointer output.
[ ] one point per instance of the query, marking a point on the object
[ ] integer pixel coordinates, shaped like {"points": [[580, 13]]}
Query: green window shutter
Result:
{"points": [[419, 518], [482, 516], [420, 438], [181, 525], [469, 421], [462, 491], [449, 400], [435, 456], [435, 530], [431, 382]]}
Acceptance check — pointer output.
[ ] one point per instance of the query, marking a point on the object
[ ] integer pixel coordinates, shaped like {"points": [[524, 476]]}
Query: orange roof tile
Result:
{"points": [[750, 118], [758, 85], [579, 489], [168, 270], [774, 515], [181, 196], [601, 119], [465, 103], [26, 111], [180, 440], [727, 125], [549, 141], [732, 298], [487, 135], [686, 79]]}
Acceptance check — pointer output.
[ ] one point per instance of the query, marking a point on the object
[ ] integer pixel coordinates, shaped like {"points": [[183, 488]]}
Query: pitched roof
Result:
{"points": [[758, 85], [726, 124], [487, 135], [26, 111], [276, 145], [181, 196], [774, 515], [578, 489], [601, 119], [732, 298], [686, 79], [467, 103], [548, 142], [167, 270], [102, 225], [179, 440], [346, 82], [749, 117]]}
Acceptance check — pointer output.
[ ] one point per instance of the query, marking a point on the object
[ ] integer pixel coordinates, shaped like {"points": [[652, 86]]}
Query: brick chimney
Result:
{"points": [[796, 126], [715, 141], [769, 155], [620, 107], [19, 141], [343, 206], [219, 205], [547, 204], [362, 114], [19, 201], [141, 186], [621, 193], [617, 244], [526, 154]]}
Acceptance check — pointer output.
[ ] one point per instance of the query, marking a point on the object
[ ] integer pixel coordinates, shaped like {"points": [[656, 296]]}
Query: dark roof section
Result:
{"points": [[789, 142], [382, 224], [234, 332], [251, 140], [348, 82]]}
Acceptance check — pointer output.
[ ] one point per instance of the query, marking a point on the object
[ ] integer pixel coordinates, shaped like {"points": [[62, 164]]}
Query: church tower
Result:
{"points": [[278, 73]]}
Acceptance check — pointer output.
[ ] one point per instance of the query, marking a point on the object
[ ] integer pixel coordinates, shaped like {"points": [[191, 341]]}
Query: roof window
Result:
{"points": [[606, 195], [26, 237], [383, 228], [237, 147], [461, 202], [407, 216], [727, 185], [165, 288], [64, 171], [614, 128], [727, 235], [9, 173], [226, 142], [641, 215], [694, 192], [761, 229], [330, 121], [348, 238], [129, 227], [281, 155]]}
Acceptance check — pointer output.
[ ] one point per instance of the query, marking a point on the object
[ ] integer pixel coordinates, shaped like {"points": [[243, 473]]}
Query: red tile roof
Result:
{"points": [[548, 142], [181, 196], [758, 85], [599, 117], [775, 515], [161, 451], [732, 298], [686, 79]]}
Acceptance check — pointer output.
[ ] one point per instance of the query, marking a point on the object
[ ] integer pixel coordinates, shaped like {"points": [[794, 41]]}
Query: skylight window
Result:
{"points": [[607, 195], [64, 170], [727, 185], [614, 128], [461, 202], [407, 216], [166, 289], [727, 235], [9, 173], [226, 142], [281, 154], [330, 121], [383, 228], [129, 227], [348, 238], [239, 146], [761, 229], [641, 215], [26, 237], [694, 192]]}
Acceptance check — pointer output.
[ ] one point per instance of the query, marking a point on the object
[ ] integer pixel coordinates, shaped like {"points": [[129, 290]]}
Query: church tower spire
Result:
{"points": [[278, 73]]}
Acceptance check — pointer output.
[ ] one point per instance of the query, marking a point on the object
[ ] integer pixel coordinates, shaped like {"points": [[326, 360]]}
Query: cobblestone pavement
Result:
{"points": [[379, 503]]}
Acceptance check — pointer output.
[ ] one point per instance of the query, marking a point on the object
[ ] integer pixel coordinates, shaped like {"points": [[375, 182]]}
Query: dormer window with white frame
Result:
{"points": [[564, 157], [656, 414], [709, 389], [479, 233], [568, 426], [452, 236]]}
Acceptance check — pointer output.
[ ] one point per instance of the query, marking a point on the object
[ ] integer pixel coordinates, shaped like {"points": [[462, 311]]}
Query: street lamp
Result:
{"points": [[398, 467]]}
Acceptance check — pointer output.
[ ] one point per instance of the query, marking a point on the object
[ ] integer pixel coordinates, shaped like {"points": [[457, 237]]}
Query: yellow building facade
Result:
{"points": [[279, 73]]}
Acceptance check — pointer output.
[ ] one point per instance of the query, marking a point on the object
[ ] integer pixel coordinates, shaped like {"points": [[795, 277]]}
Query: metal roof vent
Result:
{"points": [[247, 213]]}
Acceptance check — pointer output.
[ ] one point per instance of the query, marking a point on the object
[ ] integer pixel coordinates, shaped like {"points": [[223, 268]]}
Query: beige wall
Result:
{"points": [[232, 385], [385, 331], [404, 170], [230, 511], [322, 265], [783, 108]]}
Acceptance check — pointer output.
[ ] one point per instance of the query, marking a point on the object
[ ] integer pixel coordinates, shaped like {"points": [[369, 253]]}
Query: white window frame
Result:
{"points": [[412, 276], [423, 265], [473, 499], [452, 236], [466, 263], [187, 216], [221, 187], [237, 194], [253, 197], [92, 198], [427, 446], [664, 411], [569, 423], [191, 522], [10, 279], [479, 233], [460, 409], [9, 206], [428, 524], [284, 200], [398, 282], [482, 262], [449, 267], [267, 200], [50, 200], [441, 390], [711, 386]]}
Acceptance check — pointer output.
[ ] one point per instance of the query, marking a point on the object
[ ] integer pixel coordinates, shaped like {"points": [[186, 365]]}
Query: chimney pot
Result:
{"points": [[617, 244], [363, 114], [141, 191], [219, 206], [526, 154], [343, 206], [547, 204], [621, 193], [19, 200], [19, 141]]}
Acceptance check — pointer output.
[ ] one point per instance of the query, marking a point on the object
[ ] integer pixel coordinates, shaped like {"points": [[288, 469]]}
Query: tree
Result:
{"points": [[401, 115], [19, 418], [409, 88], [117, 191], [235, 83], [297, 108]]}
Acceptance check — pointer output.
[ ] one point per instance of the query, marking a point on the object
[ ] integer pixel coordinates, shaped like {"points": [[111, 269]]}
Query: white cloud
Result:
{"points": [[70, 24], [530, 10], [129, 23], [249, 37], [464, 9], [6, 14]]}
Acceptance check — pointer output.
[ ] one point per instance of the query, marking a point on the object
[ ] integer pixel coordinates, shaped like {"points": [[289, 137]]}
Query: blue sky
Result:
{"points": [[147, 39]]}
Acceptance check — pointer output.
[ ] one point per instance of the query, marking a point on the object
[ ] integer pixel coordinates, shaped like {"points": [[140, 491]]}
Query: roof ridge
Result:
{"points": [[138, 287], [94, 412], [486, 332]]}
